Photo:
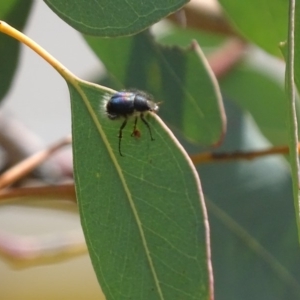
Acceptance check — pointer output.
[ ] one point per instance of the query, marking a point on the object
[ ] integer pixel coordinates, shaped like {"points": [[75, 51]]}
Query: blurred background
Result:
{"points": [[39, 99]]}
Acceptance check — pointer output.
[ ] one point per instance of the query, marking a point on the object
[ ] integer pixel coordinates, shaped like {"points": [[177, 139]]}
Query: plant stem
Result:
{"points": [[292, 117], [206, 157]]}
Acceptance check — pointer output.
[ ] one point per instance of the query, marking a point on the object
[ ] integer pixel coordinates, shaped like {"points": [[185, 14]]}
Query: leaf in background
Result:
{"points": [[261, 95], [262, 22], [181, 79], [143, 214], [6, 6], [255, 251], [10, 48], [110, 18], [183, 36]]}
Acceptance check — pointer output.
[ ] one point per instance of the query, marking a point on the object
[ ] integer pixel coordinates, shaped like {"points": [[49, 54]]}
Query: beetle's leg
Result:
{"points": [[134, 127], [120, 135], [147, 124]]}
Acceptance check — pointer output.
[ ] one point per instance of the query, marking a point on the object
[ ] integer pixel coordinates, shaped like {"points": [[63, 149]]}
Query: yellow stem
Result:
{"points": [[61, 69]]}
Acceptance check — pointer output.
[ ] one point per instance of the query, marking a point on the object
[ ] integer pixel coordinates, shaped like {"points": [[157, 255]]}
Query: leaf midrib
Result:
{"points": [[76, 85]]}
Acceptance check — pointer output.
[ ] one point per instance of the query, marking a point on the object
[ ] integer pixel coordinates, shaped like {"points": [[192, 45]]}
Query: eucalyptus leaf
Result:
{"points": [[143, 214], [179, 36], [255, 250], [10, 48], [180, 78], [6, 7], [261, 95], [109, 18], [262, 22]]}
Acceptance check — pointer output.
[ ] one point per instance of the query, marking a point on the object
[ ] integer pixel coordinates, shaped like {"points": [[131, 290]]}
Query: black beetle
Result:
{"points": [[130, 103]]}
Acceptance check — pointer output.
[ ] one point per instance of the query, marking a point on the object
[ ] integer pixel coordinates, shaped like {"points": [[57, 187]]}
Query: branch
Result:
{"points": [[207, 157], [204, 17], [27, 165], [63, 191]]}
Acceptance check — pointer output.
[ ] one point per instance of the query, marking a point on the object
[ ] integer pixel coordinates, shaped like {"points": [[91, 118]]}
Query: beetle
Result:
{"points": [[130, 103]]}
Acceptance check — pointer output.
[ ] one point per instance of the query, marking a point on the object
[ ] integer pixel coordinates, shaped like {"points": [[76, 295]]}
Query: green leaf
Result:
{"points": [[262, 22], [180, 78], [109, 18], [10, 48], [183, 36], [253, 230], [6, 7], [143, 214], [262, 96]]}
